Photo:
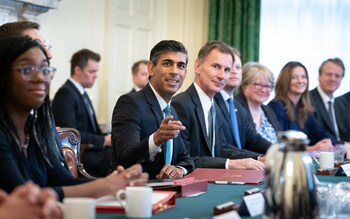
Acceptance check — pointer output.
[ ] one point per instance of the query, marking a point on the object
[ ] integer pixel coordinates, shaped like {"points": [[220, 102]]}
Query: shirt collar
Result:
{"points": [[204, 98], [324, 96], [78, 86], [160, 100]]}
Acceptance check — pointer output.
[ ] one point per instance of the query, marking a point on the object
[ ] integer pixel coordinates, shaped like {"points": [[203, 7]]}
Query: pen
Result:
{"points": [[229, 183]]}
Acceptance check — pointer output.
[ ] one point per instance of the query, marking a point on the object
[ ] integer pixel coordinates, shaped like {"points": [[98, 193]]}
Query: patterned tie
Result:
{"points": [[234, 122], [168, 149], [90, 110], [330, 114], [211, 128]]}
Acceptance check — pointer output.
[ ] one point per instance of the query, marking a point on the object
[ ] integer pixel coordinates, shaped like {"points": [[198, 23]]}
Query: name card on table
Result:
{"points": [[252, 205], [343, 170]]}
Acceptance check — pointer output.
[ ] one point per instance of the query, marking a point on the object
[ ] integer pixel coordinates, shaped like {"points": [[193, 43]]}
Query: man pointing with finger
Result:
{"points": [[145, 128]]}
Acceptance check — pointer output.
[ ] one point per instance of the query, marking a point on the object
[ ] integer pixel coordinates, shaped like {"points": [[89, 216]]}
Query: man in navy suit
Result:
{"points": [[139, 75], [196, 109], [248, 137], [330, 74], [71, 107], [141, 132]]}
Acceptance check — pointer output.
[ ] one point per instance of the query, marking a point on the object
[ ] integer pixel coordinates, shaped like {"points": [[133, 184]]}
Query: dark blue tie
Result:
{"points": [[234, 122], [211, 128], [167, 112], [88, 106]]}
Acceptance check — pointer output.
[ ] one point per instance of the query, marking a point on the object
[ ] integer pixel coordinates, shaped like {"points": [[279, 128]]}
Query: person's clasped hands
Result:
{"points": [[29, 201]]}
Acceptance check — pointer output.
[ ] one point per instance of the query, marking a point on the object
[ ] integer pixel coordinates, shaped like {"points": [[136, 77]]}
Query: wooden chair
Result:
{"points": [[70, 140]]}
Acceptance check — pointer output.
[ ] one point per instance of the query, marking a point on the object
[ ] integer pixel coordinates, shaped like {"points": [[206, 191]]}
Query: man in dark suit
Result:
{"points": [[202, 118], [343, 102], [327, 110], [72, 107], [248, 137], [139, 75], [141, 132]]}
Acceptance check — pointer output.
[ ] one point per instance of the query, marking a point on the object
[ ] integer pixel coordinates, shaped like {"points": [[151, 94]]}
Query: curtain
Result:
{"points": [[306, 31], [237, 23]]}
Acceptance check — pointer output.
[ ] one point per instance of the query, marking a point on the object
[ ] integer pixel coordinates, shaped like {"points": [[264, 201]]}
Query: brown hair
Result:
{"points": [[82, 57], [135, 67], [209, 46], [336, 61], [16, 28], [283, 88]]}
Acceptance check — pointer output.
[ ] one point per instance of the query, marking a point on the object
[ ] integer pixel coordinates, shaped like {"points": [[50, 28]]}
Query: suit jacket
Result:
{"points": [[69, 110], [343, 116], [270, 114], [136, 117], [312, 128], [190, 111], [321, 113], [250, 139]]}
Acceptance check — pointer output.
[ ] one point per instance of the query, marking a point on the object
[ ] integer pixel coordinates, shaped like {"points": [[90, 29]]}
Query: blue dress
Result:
{"points": [[312, 128]]}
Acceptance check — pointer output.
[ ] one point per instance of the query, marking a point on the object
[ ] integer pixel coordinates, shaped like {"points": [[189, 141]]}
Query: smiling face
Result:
{"points": [[213, 72], [299, 81], [168, 74], [330, 78], [29, 94], [258, 91]]}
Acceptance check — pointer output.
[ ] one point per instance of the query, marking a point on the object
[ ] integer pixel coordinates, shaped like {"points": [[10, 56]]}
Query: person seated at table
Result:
{"points": [[142, 132], [30, 202], [237, 129], [293, 107], [255, 88], [199, 113], [28, 150]]}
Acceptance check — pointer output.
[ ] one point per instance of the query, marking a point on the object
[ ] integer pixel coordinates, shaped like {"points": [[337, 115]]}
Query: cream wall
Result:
{"points": [[84, 24]]}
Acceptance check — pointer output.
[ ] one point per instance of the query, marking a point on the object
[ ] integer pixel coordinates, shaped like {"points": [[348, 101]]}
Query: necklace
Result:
{"points": [[26, 143]]}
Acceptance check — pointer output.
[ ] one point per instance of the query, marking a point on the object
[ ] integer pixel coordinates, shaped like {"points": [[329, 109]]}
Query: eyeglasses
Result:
{"points": [[47, 46], [29, 71], [259, 86]]}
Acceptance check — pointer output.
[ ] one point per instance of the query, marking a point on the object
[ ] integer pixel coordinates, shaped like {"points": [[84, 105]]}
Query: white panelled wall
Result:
{"points": [[122, 32]]}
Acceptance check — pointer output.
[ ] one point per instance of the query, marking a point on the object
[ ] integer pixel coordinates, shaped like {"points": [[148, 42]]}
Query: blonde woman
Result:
{"points": [[255, 88]]}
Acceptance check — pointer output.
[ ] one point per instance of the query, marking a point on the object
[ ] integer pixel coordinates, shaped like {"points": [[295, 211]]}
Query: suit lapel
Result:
{"points": [[153, 103], [199, 112], [92, 119], [221, 103], [319, 105]]}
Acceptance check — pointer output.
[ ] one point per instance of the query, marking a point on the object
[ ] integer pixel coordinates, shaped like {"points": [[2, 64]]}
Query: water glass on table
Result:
{"points": [[338, 155]]}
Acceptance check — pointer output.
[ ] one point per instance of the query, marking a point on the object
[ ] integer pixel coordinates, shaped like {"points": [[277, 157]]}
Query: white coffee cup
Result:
{"points": [[325, 159], [138, 201], [347, 150], [79, 208]]}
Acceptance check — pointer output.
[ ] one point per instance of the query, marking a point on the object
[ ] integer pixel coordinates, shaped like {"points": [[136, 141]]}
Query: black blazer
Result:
{"points": [[250, 139], [270, 114], [343, 116], [190, 111], [321, 113], [69, 111], [137, 116]]}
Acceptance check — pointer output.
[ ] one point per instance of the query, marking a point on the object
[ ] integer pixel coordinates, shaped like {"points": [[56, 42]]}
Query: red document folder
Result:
{"points": [[184, 187], [161, 200], [229, 176]]}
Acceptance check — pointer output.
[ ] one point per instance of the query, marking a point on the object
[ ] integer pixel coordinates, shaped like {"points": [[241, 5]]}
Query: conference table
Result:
{"points": [[201, 206]]}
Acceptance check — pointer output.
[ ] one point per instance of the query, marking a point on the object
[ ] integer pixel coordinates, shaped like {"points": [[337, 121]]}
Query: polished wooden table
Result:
{"points": [[201, 207]]}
